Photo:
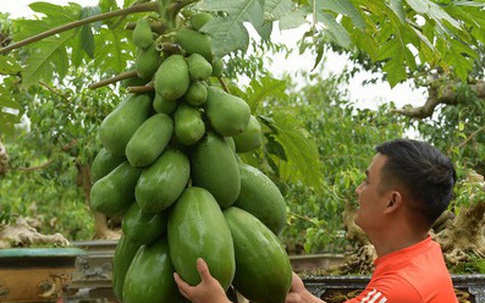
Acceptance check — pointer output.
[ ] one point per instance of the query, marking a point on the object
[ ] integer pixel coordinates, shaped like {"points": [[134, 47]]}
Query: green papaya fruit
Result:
{"points": [[199, 68], [263, 269], [118, 127], [217, 68], [215, 168], [188, 124], [103, 164], [161, 183], [147, 61], [124, 253], [194, 42], [149, 140], [172, 78], [142, 227], [149, 278], [161, 105], [197, 228], [232, 144], [261, 197], [142, 34], [114, 193], [196, 95], [229, 115], [200, 19], [251, 138]]}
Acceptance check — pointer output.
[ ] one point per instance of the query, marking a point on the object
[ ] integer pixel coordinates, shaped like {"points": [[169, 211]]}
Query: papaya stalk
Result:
{"points": [[145, 7], [122, 76], [140, 89]]}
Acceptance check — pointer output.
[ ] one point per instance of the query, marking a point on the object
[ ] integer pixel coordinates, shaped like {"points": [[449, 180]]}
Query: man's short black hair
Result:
{"points": [[427, 175]]}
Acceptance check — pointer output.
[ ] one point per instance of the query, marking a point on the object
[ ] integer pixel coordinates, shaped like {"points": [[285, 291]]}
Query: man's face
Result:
{"points": [[371, 198]]}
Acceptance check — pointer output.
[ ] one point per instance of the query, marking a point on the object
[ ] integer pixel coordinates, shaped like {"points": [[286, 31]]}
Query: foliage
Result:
{"points": [[459, 130], [47, 154]]}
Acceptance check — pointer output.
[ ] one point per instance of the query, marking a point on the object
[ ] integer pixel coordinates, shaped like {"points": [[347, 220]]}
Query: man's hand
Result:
{"points": [[209, 290], [299, 294]]}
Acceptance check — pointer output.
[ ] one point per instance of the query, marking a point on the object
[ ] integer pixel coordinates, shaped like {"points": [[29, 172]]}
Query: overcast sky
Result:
{"points": [[368, 96]]}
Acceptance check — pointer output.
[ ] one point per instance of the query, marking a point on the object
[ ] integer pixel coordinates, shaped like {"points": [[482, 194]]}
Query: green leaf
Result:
{"points": [[301, 151], [61, 14], [344, 7], [397, 8], [9, 66], [228, 33], [334, 30], [48, 56], [87, 41], [395, 69], [265, 31], [267, 87], [116, 52], [276, 9], [293, 19], [426, 7]]}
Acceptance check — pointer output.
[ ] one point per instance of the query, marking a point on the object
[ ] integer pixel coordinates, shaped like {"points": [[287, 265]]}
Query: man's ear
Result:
{"points": [[394, 202]]}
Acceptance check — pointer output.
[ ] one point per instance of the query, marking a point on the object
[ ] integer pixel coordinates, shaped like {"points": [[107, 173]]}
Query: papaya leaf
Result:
{"points": [[303, 163], [334, 30], [397, 8], [276, 9], [87, 41], [435, 12], [266, 87], [275, 148], [293, 19], [8, 121], [229, 33], [394, 67], [344, 7], [265, 31], [117, 50], [54, 16], [9, 66], [47, 56]]}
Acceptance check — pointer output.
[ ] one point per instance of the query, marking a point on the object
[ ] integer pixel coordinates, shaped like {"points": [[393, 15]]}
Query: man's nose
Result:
{"points": [[358, 190]]}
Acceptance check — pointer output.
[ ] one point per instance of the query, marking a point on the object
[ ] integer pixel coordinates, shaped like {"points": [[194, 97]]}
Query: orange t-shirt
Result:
{"points": [[415, 274]]}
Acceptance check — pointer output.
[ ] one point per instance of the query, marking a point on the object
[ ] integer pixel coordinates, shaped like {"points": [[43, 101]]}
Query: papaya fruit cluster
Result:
{"points": [[170, 168]]}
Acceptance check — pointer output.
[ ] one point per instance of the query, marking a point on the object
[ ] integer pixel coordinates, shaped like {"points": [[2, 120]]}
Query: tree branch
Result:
{"points": [[114, 79], [33, 168], [145, 7], [437, 96], [471, 136], [53, 90]]}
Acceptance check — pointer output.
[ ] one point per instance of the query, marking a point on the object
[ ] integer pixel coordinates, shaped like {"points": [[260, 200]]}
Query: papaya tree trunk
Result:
{"points": [[3, 160]]}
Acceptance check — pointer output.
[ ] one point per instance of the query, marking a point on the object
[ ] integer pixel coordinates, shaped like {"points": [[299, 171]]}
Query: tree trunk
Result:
{"points": [[3, 160]]}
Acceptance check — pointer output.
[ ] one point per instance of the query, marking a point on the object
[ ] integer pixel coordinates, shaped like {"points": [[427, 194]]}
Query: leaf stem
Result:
{"points": [[114, 79], [145, 7], [140, 89], [224, 85]]}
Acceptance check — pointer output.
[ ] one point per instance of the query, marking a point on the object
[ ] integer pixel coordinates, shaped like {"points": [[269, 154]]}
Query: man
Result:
{"points": [[408, 185]]}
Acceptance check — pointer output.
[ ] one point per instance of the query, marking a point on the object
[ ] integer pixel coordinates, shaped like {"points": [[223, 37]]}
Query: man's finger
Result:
{"points": [[182, 285], [203, 270], [293, 297]]}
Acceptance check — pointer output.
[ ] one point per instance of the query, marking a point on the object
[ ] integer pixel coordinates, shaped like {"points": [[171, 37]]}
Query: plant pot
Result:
{"points": [[333, 289], [36, 274]]}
